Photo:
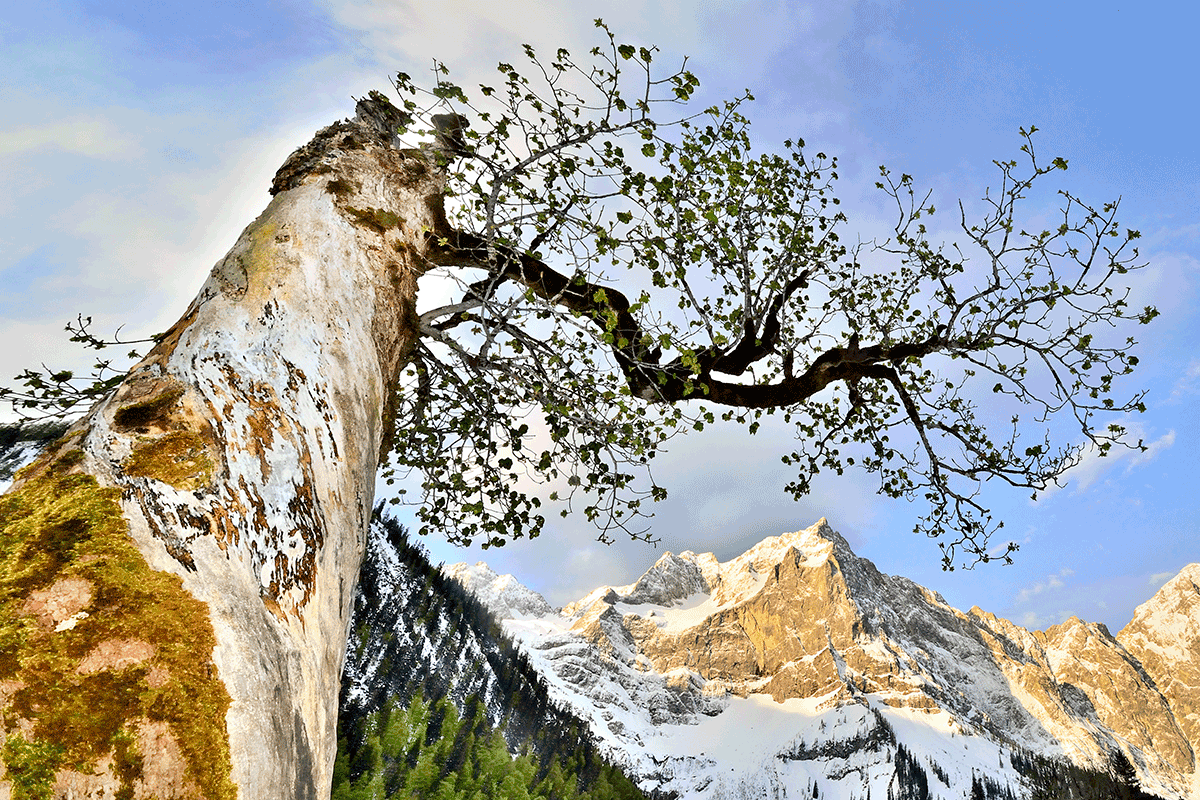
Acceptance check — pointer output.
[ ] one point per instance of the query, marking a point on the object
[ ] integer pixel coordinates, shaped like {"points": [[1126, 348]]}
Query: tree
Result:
{"points": [[619, 274]]}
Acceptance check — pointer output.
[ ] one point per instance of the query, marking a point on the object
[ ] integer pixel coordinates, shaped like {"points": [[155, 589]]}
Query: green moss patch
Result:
{"points": [[31, 767], [342, 188], [142, 413], [179, 458], [63, 525], [376, 219]]}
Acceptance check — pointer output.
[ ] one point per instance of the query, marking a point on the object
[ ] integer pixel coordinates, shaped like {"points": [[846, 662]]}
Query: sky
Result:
{"points": [[139, 138]]}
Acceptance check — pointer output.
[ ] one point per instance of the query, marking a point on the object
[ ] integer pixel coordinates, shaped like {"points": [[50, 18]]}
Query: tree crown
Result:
{"points": [[737, 298], [617, 271]]}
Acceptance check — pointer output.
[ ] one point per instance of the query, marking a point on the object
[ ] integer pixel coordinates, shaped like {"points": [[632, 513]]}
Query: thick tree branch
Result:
{"points": [[648, 378]]}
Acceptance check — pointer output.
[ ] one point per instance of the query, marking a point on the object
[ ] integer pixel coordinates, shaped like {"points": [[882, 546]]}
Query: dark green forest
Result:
{"points": [[429, 750]]}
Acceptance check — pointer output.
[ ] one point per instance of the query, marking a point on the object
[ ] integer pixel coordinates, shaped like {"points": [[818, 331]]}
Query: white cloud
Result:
{"points": [[1167, 282], [1152, 451], [731, 44], [1093, 466], [1031, 620], [1055, 581], [91, 136], [1181, 233], [1187, 384], [1159, 578]]}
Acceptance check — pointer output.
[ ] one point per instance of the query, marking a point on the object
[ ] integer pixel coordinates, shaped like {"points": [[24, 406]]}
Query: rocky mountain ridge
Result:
{"points": [[798, 646]]}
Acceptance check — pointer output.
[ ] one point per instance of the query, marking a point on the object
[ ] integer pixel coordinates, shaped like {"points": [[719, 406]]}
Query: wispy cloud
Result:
{"points": [[1093, 466], [1175, 235], [1034, 621], [1055, 581], [94, 137], [1159, 578], [1188, 383], [1167, 282]]}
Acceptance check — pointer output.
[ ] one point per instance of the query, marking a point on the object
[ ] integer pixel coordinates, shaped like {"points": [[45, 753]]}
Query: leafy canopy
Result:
{"points": [[619, 271], [625, 272]]}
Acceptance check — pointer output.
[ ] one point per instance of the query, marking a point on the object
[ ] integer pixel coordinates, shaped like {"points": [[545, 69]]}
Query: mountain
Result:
{"points": [[500, 594], [437, 701], [1164, 636], [798, 669], [22, 442]]}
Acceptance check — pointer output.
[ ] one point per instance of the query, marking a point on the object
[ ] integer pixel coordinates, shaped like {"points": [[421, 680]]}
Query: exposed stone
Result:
{"points": [[158, 676], [101, 783], [163, 765], [115, 654], [64, 599], [7, 690]]}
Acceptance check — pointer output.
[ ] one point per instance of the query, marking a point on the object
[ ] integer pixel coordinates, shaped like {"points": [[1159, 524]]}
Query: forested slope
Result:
{"points": [[437, 702]]}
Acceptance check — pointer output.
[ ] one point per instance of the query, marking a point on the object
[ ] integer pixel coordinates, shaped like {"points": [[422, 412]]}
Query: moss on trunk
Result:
{"points": [[98, 652]]}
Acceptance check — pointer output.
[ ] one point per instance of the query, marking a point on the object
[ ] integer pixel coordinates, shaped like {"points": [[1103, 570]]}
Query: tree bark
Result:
{"points": [[243, 451]]}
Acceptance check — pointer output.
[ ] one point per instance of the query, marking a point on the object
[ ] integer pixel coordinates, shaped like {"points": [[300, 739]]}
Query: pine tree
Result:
{"points": [[976, 787], [1125, 776]]}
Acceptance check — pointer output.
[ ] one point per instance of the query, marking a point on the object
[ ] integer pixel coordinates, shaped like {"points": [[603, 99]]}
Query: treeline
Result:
{"points": [[1058, 779], [429, 750], [1045, 779], [434, 694], [393, 631], [432, 638], [911, 781]]}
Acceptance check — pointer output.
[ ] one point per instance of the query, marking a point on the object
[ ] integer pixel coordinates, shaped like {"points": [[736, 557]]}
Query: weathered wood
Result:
{"points": [[240, 456]]}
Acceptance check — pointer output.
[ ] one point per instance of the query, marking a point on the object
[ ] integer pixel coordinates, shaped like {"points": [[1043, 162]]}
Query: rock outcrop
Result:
{"points": [[803, 621], [1164, 636]]}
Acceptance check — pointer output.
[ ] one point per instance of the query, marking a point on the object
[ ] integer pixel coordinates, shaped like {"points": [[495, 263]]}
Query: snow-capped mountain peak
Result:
{"points": [[504, 595], [1164, 636], [816, 543], [671, 580], [774, 649]]}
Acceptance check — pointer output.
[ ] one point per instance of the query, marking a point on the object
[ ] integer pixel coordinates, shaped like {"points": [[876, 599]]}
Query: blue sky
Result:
{"points": [[139, 138]]}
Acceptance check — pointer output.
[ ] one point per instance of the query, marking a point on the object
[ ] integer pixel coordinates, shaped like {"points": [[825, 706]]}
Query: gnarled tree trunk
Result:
{"points": [[240, 456]]}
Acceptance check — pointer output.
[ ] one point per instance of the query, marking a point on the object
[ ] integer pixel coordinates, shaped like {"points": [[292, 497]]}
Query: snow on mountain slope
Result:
{"points": [[503, 595], [799, 664]]}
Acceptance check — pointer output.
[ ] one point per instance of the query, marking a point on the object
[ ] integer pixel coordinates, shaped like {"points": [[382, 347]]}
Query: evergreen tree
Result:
{"points": [[1122, 771], [415, 727], [912, 783]]}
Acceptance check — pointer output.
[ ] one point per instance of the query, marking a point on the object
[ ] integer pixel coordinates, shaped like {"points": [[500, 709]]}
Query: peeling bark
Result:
{"points": [[244, 449]]}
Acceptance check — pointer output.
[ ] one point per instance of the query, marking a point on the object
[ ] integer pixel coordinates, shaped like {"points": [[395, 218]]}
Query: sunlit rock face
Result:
{"points": [[1119, 696], [801, 622], [1164, 636]]}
